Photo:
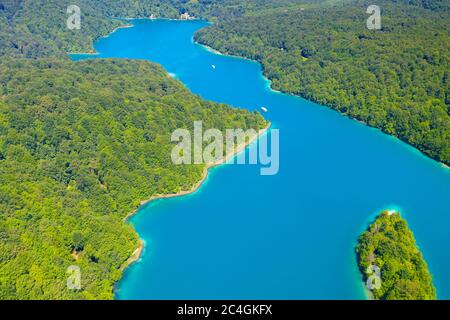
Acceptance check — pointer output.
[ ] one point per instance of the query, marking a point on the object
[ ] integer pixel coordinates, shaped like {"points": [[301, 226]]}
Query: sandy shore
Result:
{"points": [[137, 253], [134, 256]]}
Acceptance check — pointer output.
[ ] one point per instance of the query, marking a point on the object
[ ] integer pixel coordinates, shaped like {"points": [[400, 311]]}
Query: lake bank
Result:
{"points": [[93, 52], [215, 51], [247, 236], [137, 253]]}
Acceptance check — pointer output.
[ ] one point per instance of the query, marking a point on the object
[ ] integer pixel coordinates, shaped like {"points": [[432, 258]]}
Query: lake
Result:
{"points": [[286, 236]]}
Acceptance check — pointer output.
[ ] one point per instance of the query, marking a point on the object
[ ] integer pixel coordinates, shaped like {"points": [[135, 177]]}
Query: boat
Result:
{"points": [[213, 66], [264, 109]]}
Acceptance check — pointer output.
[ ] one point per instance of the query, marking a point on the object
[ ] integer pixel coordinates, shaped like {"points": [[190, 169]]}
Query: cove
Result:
{"points": [[287, 236]]}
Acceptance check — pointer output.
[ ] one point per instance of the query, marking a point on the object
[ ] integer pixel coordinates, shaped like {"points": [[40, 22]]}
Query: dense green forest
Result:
{"points": [[81, 144], [389, 244], [395, 79]]}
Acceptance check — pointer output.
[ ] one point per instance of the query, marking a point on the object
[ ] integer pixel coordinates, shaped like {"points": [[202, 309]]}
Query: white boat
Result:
{"points": [[213, 66], [264, 109]]}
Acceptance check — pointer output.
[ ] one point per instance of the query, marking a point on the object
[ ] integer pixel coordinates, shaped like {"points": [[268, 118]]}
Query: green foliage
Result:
{"points": [[389, 244], [38, 28], [82, 145], [395, 79]]}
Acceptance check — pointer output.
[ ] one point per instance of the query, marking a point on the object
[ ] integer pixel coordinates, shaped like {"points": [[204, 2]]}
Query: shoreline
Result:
{"points": [[94, 52], [194, 188], [212, 50], [136, 255], [269, 82], [130, 25], [140, 249]]}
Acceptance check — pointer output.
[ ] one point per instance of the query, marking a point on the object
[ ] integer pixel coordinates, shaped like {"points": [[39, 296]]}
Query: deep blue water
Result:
{"points": [[288, 236]]}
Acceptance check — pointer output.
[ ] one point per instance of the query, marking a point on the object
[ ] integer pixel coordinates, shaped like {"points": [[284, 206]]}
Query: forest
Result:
{"points": [[394, 79], [81, 145], [389, 245]]}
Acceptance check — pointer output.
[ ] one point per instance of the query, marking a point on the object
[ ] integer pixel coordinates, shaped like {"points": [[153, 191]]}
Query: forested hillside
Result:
{"points": [[395, 79], [81, 144], [389, 245]]}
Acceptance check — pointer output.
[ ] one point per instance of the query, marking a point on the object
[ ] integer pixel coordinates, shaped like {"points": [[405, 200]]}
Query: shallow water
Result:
{"points": [[288, 236]]}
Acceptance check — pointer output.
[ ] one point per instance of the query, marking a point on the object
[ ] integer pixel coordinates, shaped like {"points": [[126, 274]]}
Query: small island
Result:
{"points": [[391, 263]]}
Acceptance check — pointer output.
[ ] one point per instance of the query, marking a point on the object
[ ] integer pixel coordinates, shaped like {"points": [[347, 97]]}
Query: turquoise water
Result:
{"points": [[288, 236]]}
